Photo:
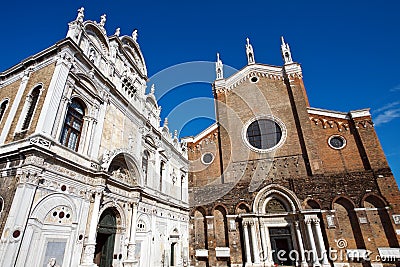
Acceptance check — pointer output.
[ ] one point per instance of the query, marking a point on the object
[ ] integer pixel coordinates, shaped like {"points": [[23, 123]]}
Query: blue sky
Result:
{"points": [[349, 50]]}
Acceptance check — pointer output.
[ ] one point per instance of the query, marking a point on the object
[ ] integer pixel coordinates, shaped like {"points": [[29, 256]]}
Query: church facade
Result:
{"points": [[88, 175], [277, 182]]}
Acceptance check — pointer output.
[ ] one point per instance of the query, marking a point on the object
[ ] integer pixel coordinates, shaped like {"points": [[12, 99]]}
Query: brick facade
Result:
{"points": [[346, 196]]}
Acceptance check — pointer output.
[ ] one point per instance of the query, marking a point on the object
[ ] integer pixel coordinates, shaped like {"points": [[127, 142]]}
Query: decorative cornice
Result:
{"points": [[258, 70], [340, 120], [340, 125], [201, 135]]}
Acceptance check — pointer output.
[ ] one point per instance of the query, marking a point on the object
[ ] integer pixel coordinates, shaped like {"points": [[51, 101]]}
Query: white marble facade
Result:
{"points": [[116, 195]]}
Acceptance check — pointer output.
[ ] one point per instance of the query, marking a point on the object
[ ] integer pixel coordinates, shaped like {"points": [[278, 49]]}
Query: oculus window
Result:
{"points": [[264, 134], [337, 142]]}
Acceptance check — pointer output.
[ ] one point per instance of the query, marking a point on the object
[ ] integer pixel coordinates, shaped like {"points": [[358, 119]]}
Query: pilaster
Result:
{"points": [[15, 103], [53, 97]]}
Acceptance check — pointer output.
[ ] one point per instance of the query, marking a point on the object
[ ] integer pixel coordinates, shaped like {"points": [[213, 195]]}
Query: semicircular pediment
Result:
{"points": [[96, 36]]}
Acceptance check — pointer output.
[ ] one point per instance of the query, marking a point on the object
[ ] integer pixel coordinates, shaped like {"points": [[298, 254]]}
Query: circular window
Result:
{"points": [[264, 134], [207, 158], [16, 233], [254, 79], [337, 142]]}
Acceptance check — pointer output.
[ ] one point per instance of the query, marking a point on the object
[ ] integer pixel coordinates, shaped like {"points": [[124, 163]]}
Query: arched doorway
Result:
{"points": [[174, 248], [280, 237], [105, 239]]}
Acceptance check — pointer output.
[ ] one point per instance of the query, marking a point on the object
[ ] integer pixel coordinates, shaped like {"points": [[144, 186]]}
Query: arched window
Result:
{"points": [[162, 170], [3, 108], [145, 164], [31, 103], [141, 226], [72, 130], [1, 204]]}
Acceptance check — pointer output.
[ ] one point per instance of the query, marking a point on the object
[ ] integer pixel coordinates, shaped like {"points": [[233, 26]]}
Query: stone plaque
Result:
{"points": [[363, 220], [396, 218], [331, 221]]}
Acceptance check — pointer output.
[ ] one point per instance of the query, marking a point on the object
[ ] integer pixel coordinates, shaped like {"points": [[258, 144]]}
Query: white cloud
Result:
{"points": [[395, 89], [387, 116], [387, 106]]}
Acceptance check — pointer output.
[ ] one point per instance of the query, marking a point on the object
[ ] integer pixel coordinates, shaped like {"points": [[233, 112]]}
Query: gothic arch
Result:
{"points": [[283, 194], [46, 204]]}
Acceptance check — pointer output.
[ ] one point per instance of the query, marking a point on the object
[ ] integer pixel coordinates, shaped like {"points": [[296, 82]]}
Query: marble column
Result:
{"points": [[88, 253], [131, 261], [269, 261], [321, 243], [312, 242], [88, 134], [254, 240], [303, 261], [263, 245], [247, 242]]}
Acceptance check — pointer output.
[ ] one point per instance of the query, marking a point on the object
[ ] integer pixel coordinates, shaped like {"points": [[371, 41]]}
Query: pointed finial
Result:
{"points": [[249, 52], [152, 89], [117, 32], [166, 122], [286, 54], [135, 35], [103, 20], [219, 68], [81, 15], [176, 134]]}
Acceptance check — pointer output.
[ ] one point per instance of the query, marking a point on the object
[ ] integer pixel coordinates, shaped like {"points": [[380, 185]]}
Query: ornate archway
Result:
{"points": [[105, 240]]}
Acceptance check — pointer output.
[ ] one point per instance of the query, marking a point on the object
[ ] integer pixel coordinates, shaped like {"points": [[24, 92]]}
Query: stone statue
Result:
{"points": [[80, 14], [218, 68], [117, 32], [250, 52], [52, 263], [135, 35], [102, 20]]}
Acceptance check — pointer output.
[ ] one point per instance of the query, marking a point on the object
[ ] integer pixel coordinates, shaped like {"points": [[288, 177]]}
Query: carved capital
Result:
{"points": [[316, 221]]}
